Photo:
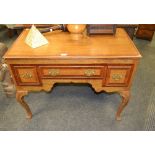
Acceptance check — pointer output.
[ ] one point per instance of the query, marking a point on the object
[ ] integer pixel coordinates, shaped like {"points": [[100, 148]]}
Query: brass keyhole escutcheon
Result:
{"points": [[89, 72], [27, 76], [117, 77], [53, 72]]}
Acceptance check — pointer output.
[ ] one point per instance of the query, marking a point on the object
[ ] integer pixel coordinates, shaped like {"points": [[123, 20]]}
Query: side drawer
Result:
{"points": [[71, 71], [26, 75], [118, 75]]}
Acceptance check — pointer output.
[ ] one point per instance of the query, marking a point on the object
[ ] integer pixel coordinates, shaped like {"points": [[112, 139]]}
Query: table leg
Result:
{"points": [[20, 98], [125, 98]]}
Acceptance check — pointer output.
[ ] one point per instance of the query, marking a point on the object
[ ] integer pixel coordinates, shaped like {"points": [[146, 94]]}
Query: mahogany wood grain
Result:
{"points": [[145, 31]]}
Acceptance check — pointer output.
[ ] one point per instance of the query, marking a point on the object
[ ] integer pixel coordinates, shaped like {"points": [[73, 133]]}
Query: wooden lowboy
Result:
{"points": [[106, 62]]}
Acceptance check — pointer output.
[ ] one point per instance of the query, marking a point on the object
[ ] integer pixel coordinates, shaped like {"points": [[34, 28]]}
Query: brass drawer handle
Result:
{"points": [[26, 76], [117, 77], [53, 72], [89, 72]]}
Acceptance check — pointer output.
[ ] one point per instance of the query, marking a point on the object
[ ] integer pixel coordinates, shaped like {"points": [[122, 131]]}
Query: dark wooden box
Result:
{"points": [[145, 31], [101, 29]]}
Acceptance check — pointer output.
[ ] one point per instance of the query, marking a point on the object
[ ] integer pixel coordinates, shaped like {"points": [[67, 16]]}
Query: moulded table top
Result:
{"points": [[63, 45]]}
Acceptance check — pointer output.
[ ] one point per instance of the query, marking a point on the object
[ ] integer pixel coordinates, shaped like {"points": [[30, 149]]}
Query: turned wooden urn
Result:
{"points": [[76, 28]]}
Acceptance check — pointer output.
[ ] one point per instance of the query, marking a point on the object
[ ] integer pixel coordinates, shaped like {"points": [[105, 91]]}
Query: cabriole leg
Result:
{"points": [[125, 98], [20, 98]]}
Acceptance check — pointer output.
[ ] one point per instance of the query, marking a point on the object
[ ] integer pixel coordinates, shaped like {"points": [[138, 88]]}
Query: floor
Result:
{"points": [[78, 107]]}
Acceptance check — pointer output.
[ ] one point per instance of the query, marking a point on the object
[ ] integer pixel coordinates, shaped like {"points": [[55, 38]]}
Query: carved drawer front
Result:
{"points": [[118, 75], [26, 75], [70, 72]]}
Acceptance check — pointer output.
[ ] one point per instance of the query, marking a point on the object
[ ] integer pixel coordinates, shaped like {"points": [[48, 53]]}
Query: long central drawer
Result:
{"points": [[71, 71]]}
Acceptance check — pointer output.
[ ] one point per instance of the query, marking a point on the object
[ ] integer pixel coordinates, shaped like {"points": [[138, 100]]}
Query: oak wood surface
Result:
{"points": [[108, 63], [20, 98], [125, 98], [64, 46]]}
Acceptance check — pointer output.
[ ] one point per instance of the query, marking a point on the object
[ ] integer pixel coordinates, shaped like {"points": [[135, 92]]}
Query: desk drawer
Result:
{"points": [[118, 75], [26, 75], [71, 71]]}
